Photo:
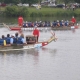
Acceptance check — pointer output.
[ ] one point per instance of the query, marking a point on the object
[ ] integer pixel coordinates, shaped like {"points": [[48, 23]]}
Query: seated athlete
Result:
{"points": [[8, 39], [21, 39], [25, 24], [3, 40], [12, 39]]}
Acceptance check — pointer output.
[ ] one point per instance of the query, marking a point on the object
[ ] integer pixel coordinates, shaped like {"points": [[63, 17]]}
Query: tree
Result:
{"points": [[65, 1], [12, 1], [30, 1], [22, 1], [78, 1]]}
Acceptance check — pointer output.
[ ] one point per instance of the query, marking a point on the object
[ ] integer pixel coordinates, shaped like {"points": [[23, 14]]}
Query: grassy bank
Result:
{"points": [[50, 12]]}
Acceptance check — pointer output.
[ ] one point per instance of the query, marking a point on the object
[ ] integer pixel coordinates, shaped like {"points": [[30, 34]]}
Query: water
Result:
{"points": [[57, 61]]}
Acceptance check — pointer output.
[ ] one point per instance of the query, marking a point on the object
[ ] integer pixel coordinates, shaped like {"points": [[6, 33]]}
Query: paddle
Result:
{"points": [[6, 26]]}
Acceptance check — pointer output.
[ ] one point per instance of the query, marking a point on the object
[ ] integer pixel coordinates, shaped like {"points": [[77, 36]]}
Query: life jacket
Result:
{"points": [[54, 24], [19, 40], [14, 40], [29, 24], [8, 40], [66, 24], [24, 24], [1, 41], [61, 24]]}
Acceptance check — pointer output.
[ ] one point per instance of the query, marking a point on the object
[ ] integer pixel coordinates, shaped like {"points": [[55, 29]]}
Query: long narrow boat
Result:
{"points": [[27, 46], [17, 28], [76, 26]]}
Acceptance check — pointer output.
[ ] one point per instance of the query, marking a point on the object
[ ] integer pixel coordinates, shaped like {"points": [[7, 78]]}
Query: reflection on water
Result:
{"points": [[73, 30], [51, 51], [33, 52]]}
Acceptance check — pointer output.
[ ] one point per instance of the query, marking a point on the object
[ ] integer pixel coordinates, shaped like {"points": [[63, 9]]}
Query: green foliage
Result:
{"points": [[78, 1], [64, 1], [30, 1], [11, 11], [20, 1], [23, 11], [33, 14], [14, 11]]}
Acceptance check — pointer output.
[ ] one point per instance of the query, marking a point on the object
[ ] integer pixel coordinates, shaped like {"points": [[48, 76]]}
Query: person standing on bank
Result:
{"points": [[20, 21], [36, 33]]}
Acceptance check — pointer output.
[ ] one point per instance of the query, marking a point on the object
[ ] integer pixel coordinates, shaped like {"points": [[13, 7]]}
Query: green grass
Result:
{"points": [[50, 12], [54, 11]]}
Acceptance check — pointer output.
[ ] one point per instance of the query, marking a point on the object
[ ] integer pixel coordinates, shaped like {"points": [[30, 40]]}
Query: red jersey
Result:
{"points": [[73, 20], [20, 21], [36, 32]]}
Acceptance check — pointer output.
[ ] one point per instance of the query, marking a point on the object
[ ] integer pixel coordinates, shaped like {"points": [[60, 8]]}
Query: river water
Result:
{"points": [[59, 60]]}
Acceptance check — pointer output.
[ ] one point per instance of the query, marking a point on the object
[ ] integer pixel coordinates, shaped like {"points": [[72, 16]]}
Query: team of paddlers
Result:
{"points": [[55, 23], [16, 39], [47, 24], [20, 39]]}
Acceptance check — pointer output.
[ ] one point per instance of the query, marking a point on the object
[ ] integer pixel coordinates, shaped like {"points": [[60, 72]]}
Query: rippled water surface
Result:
{"points": [[57, 61]]}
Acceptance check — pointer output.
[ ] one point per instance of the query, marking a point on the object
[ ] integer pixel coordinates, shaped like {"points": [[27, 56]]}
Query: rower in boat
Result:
{"points": [[21, 40], [2, 40], [15, 40], [25, 24], [8, 39]]}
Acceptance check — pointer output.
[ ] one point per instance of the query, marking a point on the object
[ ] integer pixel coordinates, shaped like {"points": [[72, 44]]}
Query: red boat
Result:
{"points": [[17, 28]]}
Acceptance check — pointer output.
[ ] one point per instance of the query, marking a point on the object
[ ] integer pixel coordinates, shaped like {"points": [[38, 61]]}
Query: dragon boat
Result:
{"points": [[65, 28], [17, 28], [29, 45]]}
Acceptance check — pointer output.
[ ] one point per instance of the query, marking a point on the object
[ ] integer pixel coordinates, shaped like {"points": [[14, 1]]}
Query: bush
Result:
{"points": [[33, 14], [14, 11]]}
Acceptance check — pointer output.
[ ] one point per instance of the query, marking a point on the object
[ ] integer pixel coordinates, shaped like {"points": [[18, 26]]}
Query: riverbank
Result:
{"points": [[47, 12], [52, 12]]}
